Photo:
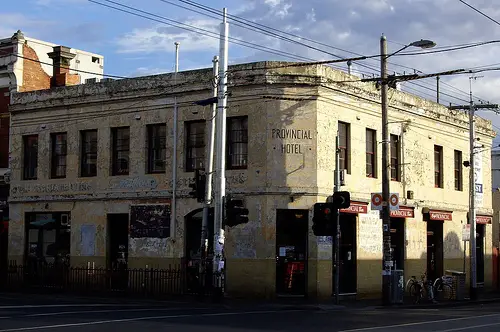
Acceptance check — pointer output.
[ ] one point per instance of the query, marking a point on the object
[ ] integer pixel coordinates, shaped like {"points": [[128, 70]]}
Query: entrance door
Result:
{"points": [[398, 242], [193, 249], [291, 252], [348, 261], [117, 255], [117, 233], [480, 231], [434, 249]]}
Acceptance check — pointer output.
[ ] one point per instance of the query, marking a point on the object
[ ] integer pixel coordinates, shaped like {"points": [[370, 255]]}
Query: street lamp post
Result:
{"points": [[386, 221]]}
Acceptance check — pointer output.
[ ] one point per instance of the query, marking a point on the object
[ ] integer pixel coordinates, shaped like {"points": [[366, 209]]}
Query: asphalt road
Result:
{"points": [[25, 313]]}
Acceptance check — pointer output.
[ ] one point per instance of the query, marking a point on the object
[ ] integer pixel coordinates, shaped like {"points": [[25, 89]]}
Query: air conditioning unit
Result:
{"points": [[65, 219]]}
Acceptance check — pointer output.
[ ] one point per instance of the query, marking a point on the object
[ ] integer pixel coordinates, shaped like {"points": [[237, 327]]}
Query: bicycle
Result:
{"points": [[443, 288], [416, 288], [420, 289]]}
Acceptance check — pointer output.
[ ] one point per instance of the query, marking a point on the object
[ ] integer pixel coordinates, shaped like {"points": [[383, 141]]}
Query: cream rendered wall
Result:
{"points": [[272, 181], [429, 124]]}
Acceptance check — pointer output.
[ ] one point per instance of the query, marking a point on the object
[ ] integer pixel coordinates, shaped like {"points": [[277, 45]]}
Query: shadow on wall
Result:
{"points": [[454, 258], [251, 248]]}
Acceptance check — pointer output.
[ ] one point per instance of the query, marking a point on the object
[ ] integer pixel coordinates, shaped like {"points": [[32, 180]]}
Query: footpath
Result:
{"points": [[245, 304]]}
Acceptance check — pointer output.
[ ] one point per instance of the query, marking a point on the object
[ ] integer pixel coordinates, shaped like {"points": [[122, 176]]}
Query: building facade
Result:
{"points": [[495, 172], [26, 65], [91, 178]]}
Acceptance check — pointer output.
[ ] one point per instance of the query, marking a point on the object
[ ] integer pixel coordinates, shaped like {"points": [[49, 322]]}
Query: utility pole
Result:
{"points": [[472, 108], [386, 221], [437, 89], [336, 248], [175, 143], [221, 154], [209, 172], [472, 199]]}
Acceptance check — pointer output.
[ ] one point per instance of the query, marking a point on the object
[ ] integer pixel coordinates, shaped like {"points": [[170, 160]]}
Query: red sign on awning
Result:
{"points": [[356, 207], [440, 215], [484, 220], [403, 212]]}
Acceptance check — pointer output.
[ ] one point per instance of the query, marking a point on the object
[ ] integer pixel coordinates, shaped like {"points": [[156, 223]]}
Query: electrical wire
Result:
{"points": [[201, 31], [254, 24], [147, 78], [252, 45], [480, 12], [448, 49]]}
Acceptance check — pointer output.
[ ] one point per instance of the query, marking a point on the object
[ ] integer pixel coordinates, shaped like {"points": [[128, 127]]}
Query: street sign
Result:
{"points": [[376, 201], [394, 201], [466, 232]]}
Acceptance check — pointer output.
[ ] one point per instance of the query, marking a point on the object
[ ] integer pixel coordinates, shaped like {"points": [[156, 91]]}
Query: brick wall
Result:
{"points": [[34, 77], [65, 79], [4, 127]]}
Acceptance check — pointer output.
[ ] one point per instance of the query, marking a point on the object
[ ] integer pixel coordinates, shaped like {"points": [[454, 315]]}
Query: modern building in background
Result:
{"points": [[91, 178], [26, 64]]}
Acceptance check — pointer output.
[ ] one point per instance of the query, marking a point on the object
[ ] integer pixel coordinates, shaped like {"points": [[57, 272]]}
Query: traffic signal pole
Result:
{"points": [[209, 171], [220, 190], [336, 247]]}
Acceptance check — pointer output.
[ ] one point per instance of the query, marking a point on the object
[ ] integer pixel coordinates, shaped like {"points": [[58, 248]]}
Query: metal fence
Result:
{"points": [[153, 283]]}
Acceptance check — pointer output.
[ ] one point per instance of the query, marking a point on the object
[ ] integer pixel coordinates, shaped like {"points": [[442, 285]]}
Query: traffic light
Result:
{"points": [[235, 211], [341, 199], [198, 186], [324, 219]]}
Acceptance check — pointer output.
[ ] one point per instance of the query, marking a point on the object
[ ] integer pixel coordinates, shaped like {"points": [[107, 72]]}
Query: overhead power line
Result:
{"points": [[449, 49], [480, 12], [201, 31], [147, 78], [254, 26]]}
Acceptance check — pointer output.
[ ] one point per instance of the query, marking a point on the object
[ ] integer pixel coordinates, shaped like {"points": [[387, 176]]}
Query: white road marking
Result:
{"points": [[60, 306], [104, 311], [415, 324], [43, 327], [469, 327]]}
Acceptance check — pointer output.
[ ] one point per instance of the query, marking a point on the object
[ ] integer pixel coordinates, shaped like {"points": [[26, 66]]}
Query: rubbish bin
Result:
{"points": [[459, 287], [397, 286]]}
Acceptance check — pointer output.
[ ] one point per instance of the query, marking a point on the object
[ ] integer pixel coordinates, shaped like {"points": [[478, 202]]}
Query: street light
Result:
{"points": [[386, 222]]}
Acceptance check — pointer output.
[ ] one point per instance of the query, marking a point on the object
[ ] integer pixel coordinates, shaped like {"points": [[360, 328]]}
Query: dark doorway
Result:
{"points": [[480, 231], [348, 261], [291, 252], [434, 249], [194, 254], [398, 243], [117, 233]]}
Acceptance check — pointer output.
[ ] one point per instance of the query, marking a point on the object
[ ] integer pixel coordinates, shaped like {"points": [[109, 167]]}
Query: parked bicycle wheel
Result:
{"points": [[443, 292], [415, 292]]}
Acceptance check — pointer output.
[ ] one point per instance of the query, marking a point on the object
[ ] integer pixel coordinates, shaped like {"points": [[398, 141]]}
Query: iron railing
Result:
{"points": [[154, 283]]}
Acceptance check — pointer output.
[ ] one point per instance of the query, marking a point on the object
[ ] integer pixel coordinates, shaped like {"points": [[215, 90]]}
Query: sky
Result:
{"points": [[135, 46]]}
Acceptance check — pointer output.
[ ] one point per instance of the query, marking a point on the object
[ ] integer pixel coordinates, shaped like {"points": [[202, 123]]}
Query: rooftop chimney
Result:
{"points": [[61, 57]]}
